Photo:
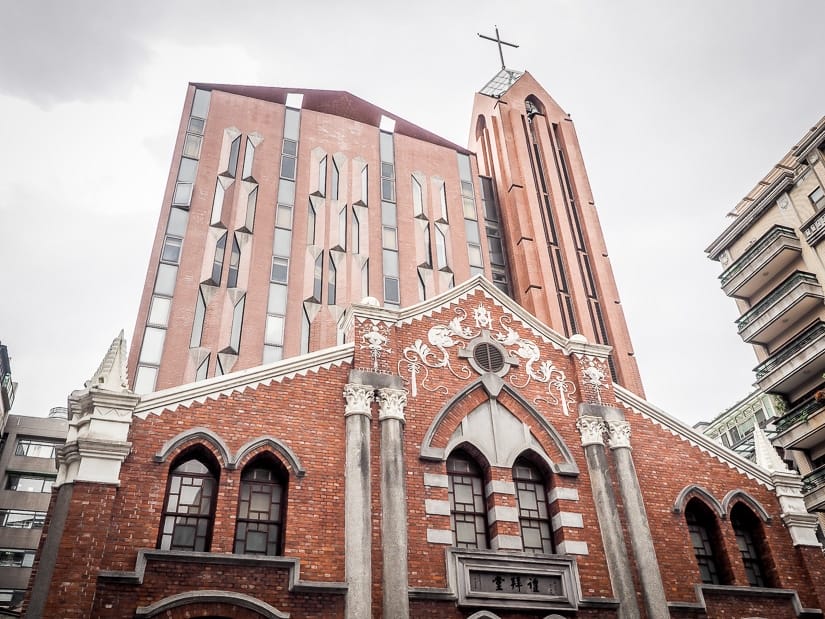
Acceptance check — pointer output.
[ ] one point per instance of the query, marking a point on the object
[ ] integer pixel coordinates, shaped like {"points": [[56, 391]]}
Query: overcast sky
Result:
{"points": [[681, 108]]}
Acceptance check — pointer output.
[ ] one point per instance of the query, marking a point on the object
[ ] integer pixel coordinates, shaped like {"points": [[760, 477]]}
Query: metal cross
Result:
{"points": [[500, 43]]}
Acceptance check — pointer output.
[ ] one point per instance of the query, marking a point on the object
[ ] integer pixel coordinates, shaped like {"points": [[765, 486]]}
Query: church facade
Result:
{"points": [[456, 458]]}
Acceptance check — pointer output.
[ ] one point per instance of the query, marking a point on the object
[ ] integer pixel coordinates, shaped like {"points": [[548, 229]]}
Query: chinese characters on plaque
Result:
{"points": [[504, 583]]}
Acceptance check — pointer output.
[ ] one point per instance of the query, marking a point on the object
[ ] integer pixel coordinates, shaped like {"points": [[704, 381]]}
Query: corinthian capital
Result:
{"points": [[391, 403], [359, 398], [592, 430], [619, 432]]}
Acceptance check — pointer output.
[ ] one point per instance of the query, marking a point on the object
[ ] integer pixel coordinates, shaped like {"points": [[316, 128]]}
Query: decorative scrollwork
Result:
{"points": [[374, 340]]}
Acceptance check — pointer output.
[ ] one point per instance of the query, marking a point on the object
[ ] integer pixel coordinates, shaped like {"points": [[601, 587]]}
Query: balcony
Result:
{"points": [[813, 489], [778, 248], [789, 303], [814, 229], [800, 361]]}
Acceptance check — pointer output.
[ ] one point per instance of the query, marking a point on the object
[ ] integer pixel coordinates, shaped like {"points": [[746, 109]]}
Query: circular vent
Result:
{"points": [[488, 357]]}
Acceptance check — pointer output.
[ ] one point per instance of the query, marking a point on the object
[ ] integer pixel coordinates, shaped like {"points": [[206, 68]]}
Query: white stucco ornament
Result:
{"points": [[482, 317], [374, 340]]}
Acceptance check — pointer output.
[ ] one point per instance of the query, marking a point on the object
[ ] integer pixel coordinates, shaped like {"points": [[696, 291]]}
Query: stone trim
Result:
{"points": [[506, 542], [592, 430], [207, 596], [436, 480], [569, 520], [211, 558], [500, 487], [359, 399], [436, 507], [618, 434], [566, 494], [440, 536], [747, 499], [701, 605], [502, 513], [573, 547], [692, 490], [391, 403]]}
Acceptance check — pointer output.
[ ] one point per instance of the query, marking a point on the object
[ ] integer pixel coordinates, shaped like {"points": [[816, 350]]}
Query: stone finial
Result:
{"points": [[111, 374], [592, 430], [766, 455]]}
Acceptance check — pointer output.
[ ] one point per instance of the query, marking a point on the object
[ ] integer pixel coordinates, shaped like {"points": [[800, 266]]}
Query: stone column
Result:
{"points": [[391, 403], [357, 507], [592, 428], [653, 591]]}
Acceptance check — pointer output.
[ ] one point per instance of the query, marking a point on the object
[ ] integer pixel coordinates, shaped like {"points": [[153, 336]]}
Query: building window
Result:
{"points": [[750, 540], [189, 509], [332, 277], [317, 278], [234, 263], [533, 516], [251, 204], [217, 263], [322, 177], [22, 519], [197, 323], [334, 181], [237, 322], [24, 482], [11, 598], [364, 186], [704, 535], [817, 198], [234, 149], [203, 368], [261, 509], [12, 557], [418, 198], [248, 158], [35, 449], [467, 504], [171, 249]]}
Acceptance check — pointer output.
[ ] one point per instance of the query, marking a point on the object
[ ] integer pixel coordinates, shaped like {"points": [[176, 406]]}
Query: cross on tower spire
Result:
{"points": [[498, 40]]}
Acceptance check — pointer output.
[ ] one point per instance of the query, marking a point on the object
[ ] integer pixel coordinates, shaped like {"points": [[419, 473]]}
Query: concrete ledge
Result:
{"points": [[567, 494], [501, 513], [791, 594], [573, 548], [500, 487], [567, 519], [436, 480], [436, 507], [440, 536]]}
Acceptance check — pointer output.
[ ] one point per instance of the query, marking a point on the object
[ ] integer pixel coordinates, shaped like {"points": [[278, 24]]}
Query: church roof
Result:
{"points": [[336, 103]]}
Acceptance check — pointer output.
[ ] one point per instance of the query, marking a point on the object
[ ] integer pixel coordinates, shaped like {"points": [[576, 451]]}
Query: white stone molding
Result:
{"points": [[391, 403], [440, 536], [502, 513], [592, 430], [506, 542], [500, 487], [359, 398], [566, 494], [436, 507], [436, 480], [572, 547], [619, 434], [568, 520], [374, 341]]}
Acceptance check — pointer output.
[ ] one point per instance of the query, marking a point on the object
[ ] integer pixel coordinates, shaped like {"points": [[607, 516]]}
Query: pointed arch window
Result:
{"points": [[750, 540], [706, 540], [468, 513], [261, 508], [533, 515], [189, 508]]}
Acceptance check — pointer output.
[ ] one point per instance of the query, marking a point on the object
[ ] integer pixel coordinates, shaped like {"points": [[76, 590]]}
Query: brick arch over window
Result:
{"points": [[200, 435], [214, 602], [735, 496], [695, 490], [708, 543], [269, 443], [757, 559], [439, 438]]}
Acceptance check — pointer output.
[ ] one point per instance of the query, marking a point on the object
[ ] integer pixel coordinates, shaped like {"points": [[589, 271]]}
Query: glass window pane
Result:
{"points": [[277, 299], [192, 145], [152, 347], [145, 379], [474, 253], [390, 263], [159, 311], [391, 293], [188, 169], [196, 125], [178, 219], [283, 240], [389, 239], [386, 147], [388, 214], [471, 229], [283, 219], [464, 167], [234, 150], [165, 282], [171, 249], [200, 104], [273, 354], [183, 194], [288, 167], [286, 192], [291, 122], [280, 270], [388, 189], [290, 147]]}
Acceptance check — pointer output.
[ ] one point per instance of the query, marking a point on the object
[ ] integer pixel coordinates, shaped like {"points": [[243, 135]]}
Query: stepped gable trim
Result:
{"points": [[213, 388], [211, 596], [292, 564], [688, 434], [462, 292], [336, 103]]}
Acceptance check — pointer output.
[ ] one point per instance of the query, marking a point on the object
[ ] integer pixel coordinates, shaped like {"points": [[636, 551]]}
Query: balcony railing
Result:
{"points": [[792, 348], [799, 277], [754, 250], [813, 480], [798, 414], [814, 229]]}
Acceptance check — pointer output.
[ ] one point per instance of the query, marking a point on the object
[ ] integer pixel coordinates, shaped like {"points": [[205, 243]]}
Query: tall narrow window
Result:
{"points": [[234, 149], [332, 277], [261, 509], [234, 264], [203, 368], [442, 197], [364, 186], [306, 326], [356, 232], [311, 224], [440, 248], [467, 504], [189, 509], [704, 535], [342, 227], [248, 157], [251, 204], [197, 324], [334, 181], [217, 262], [217, 203], [237, 323], [750, 540], [428, 247], [534, 519], [317, 279], [322, 176], [418, 198]]}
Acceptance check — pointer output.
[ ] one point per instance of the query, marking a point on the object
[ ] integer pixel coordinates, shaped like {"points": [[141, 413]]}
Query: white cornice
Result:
{"points": [[212, 388], [696, 439]]}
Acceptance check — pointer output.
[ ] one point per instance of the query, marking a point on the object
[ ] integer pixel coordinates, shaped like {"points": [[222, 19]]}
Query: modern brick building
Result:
{"points": [[284, 206], [458, 444], [772, 254]]}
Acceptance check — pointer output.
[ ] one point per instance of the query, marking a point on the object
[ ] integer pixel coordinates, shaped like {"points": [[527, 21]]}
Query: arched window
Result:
{"points": [[261, 508], [533, 516], [750, 539], [707, 542], [189, 509], [468, 512]]}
